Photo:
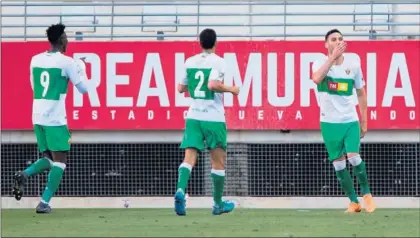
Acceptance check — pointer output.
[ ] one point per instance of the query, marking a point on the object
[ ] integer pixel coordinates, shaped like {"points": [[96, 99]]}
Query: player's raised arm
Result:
{"points": [[362, 98], [216, 80], [320, 70], [76, 71]]}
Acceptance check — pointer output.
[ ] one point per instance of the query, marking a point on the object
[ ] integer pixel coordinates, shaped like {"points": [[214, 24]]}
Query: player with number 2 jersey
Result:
{"points": [[205, 122]]}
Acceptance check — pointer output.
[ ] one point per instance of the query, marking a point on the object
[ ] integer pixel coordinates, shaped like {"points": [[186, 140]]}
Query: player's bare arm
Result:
{"points": [[219, 87], [320, 74], [182, 88], [362, 98]]}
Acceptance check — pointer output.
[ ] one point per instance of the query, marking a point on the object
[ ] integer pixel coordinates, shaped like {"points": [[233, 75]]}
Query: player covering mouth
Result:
{"points": [[336, 77]]}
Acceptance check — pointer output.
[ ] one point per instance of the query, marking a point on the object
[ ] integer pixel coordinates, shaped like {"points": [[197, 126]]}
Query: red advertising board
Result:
{"points": [[136, 84]]}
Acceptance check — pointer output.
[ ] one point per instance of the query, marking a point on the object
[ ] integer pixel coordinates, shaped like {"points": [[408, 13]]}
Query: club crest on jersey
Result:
{"points": [[347, 71]]}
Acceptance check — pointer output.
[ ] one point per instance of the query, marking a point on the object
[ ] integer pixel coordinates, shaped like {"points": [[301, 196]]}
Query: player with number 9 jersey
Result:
{"points": [[50, 75], [50, 72]]}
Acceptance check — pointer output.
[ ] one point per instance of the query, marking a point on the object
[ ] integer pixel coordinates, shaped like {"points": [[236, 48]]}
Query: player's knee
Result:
{"points": [[47, 154], [59, 156], [351, 155], [354, 159], [61, 160], [342, 158]]}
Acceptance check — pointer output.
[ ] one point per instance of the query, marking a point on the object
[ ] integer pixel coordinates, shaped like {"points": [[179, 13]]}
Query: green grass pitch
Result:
{"points": [[200, 223]]}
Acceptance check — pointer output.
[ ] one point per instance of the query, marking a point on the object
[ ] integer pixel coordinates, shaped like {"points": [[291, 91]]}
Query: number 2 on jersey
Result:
{"points": [[199, 75], [45, 82]]}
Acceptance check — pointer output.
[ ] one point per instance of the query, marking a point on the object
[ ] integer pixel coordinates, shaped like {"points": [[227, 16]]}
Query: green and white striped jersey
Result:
{"points": [[206, 105], [50, 74], [336, 92]]}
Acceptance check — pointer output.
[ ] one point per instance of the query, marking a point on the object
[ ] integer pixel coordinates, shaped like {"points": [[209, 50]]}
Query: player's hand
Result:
{"points": [[235, 90], [363, 129], [339, 49]]}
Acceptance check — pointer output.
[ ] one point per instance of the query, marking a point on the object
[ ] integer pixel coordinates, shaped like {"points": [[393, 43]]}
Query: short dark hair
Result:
{"points": [[331, 32], [208, 38], [54, 33]]}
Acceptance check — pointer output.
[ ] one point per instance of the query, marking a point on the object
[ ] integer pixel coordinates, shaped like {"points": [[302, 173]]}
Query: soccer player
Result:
{"points": [[50, 72], [205, 122], [336, 76]]}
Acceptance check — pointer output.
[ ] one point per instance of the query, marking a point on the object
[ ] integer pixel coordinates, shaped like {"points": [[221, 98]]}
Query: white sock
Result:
{"points": [[218, 172], [355, 161], [339, 165], [186, 165], [60, 165]]}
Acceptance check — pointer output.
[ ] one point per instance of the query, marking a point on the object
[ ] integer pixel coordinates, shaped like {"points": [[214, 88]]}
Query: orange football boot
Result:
{"points": [[369, 203], [354, 207]]}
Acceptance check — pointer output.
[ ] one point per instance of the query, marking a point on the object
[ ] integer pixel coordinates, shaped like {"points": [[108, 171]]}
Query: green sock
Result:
{"points": [[361, 174], [184, 173], [218, 179], [38, 167], [347, 185], [54, 179]]}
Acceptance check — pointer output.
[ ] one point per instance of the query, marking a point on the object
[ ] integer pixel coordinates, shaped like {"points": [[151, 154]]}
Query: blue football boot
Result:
{"points": [[226, 207], [180, 203], [43, 208]]}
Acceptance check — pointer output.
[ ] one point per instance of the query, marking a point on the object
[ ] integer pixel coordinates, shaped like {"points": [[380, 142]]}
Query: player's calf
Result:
{"points": [[184, 170], [346, 182], [361, 174], [54, 179], [218, 175], [184, 173], [360, 171], [39, 166]]}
